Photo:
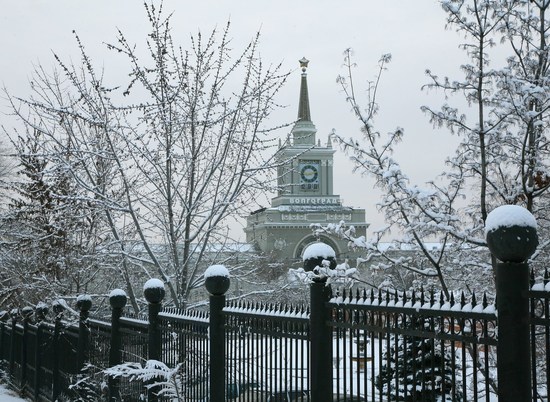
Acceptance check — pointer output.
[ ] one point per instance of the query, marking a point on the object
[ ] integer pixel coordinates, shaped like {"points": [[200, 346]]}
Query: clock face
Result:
{"points": [[309, 175]]}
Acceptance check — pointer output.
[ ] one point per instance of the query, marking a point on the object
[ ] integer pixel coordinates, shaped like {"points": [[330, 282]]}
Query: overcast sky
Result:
{"points": [[413, 31]]}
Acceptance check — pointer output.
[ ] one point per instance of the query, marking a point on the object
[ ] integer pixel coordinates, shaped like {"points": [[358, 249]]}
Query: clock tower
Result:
{"points": [[305, 193]]}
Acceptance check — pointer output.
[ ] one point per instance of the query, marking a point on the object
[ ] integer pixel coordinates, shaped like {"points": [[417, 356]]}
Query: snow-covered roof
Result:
{"points": [[230, 247], [385, 246]]}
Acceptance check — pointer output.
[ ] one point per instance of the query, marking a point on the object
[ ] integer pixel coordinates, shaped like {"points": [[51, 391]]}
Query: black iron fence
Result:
{"points": [[348, 346]]}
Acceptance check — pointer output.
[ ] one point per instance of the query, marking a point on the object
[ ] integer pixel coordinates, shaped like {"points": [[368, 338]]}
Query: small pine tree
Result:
{"points": [[417, 369]]}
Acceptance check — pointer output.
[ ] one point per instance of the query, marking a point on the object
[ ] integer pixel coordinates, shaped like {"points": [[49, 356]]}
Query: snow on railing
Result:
{"points": [[185, 315], [270, 310], [414, 301]]}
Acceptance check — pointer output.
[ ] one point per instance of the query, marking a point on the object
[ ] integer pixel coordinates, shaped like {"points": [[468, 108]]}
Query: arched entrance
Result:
{"points": [[310, 239]]}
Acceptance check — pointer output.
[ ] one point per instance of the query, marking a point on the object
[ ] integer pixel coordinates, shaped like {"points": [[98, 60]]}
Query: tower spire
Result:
{"points": [[304, 113], [304, 130]]}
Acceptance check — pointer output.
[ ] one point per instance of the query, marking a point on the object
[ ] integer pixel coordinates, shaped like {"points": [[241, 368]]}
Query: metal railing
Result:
{"points": [[382, 346]]}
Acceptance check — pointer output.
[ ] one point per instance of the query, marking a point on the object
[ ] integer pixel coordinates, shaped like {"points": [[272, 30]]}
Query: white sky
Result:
{"points": [[413, 31]]}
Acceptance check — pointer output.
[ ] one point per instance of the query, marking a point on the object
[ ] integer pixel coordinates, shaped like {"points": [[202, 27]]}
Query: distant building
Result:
{"points": [[305, 181]]}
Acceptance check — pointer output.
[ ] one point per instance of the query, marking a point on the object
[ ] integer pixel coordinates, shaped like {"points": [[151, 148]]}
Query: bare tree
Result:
{"points": [[502, 154], [170, 156]]}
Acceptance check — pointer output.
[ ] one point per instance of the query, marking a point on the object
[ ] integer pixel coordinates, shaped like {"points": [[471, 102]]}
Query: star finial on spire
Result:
{"points": [[303, 64]]}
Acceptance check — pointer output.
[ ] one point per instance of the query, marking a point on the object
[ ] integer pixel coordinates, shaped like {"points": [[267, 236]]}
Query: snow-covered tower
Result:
{"points": [[305, 196]]}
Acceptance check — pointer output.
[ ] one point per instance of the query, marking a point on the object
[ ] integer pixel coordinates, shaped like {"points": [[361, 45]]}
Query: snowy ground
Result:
{"points": [[8, 396]]}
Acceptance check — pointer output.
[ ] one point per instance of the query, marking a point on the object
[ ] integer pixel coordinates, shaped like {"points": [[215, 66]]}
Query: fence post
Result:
{"points": [[117, 299], [216, 281], [321, 342], [84, 304], [315, 256], [153, 290], [26, 312], [4, 316], [512, 238], [13, 313], [40, 313], [56, 351]]}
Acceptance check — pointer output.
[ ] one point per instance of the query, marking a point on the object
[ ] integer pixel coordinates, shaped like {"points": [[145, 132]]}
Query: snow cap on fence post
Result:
{"points": [[511, 233], [14, 313], [58, 309], [216, 279], [41, 311], [26, 312], [117, 298], [153, 290], [84, 303], [316, 253]]}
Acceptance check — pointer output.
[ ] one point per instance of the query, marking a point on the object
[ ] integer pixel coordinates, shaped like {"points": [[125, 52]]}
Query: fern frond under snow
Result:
{"points": [[166, 381]]}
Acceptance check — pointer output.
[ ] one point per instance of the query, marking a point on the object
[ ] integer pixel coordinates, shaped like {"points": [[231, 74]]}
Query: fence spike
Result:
{"points": [[452, 301], [432, 297], [422, 298], [371, 295], [546, 277], [462, 299], [484, 301], [474, 301]]}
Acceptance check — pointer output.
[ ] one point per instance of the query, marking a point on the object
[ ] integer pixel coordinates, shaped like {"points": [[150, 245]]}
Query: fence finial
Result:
{"points": [[153, 290], [511, 233], [216, 280]]}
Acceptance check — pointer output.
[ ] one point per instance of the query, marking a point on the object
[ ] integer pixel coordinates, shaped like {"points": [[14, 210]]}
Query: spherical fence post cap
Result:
{"points": [[316, 253], [511, 233], [84, 302], [216, 280], [57, 307], [27, 311], [153, 290], [117, 298], [42, 308]]}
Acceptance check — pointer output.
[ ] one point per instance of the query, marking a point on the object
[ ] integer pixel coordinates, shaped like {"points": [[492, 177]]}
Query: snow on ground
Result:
{"points": [[7, 395]]}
